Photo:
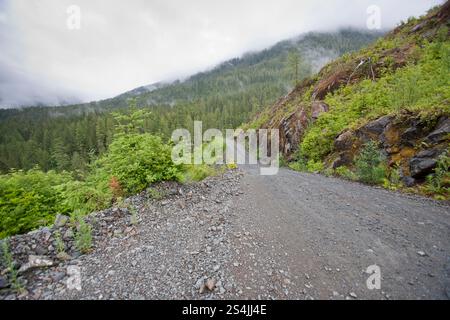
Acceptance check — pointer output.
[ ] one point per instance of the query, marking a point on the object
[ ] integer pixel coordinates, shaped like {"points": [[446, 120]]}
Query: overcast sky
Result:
{"points": [[121, 45]]}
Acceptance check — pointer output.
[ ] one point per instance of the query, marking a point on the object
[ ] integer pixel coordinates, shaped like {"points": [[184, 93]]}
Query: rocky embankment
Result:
{"points": [[411, 144], [173, 247]]}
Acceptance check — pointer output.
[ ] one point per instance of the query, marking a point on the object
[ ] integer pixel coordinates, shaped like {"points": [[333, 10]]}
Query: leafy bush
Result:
{"points": [[232, 166], [345, 172], [439, 181], [297, 166], [8, 263], [138, 160], [299, 162], [83, 236], [198, 172], [370, 164], [133, 161], [393, 180], [91, 194], [60, 246], [314, 166], [155, 194], [30, 199]]}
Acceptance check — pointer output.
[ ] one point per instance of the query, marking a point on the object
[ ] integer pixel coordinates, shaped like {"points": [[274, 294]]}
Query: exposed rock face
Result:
{"points": [[420, 167], [424, 162], [441, 133], [293, 127], [317, 108], [344, 141], [377, 127], [410, 144], [60, 221], [36, 262]]}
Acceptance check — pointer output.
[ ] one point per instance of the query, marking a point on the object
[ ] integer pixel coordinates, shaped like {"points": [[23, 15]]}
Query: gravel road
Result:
{"points": [[317, 236], [246, 236]]}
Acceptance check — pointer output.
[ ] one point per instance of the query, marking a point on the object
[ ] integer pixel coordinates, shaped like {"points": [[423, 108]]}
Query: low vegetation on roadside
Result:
{"points": [[133, 162]]}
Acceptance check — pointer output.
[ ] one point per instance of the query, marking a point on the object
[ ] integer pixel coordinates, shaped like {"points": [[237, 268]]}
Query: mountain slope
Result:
{"points": [[223, 97], [265, 67], [327, 121]]}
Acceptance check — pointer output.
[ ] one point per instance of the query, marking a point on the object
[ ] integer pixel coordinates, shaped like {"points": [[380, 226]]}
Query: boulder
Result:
{"points": [[63, 256], [424, 162], [441, 133], [3, 283], [401, 140], [291, 130], [408, 181], [419, 26], [36, 262], [40, 250], [344, 141], [343, 159], [377, 126], [421, 167], [411, 134], [430, 153], [68, 234], [60, 220]]}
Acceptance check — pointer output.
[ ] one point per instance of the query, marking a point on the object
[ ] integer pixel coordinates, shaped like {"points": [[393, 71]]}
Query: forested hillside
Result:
{"points": [[68, 138], [379, 115]]}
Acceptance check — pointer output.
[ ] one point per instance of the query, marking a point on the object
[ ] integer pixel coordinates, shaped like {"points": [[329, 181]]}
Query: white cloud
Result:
{"points": [[125, 44]]}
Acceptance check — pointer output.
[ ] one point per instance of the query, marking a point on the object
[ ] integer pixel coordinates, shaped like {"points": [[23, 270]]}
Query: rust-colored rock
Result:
{"points": [[411, 144], [293, 127], [344, 141]]}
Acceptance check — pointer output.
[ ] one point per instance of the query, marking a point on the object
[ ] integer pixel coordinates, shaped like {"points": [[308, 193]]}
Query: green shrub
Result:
{"points": [[133, 161], [134, 215], [302, 165], [92, 194], [8, 263], [198, 172], [439, 181], [370, 164], [297, 166], [299, 162], [234, 166], [60, 246], [29, 199], [155, 194], [138, 160], [394, 181], [345, 173], [83, 236], [314, 166]]}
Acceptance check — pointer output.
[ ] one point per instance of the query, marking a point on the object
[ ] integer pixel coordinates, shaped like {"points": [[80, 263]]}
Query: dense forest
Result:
{"points": [[70, 137]]}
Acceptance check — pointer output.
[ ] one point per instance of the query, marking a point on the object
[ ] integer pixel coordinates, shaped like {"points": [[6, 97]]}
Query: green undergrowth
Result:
{"points": [[133, 162], [424, 88]]}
